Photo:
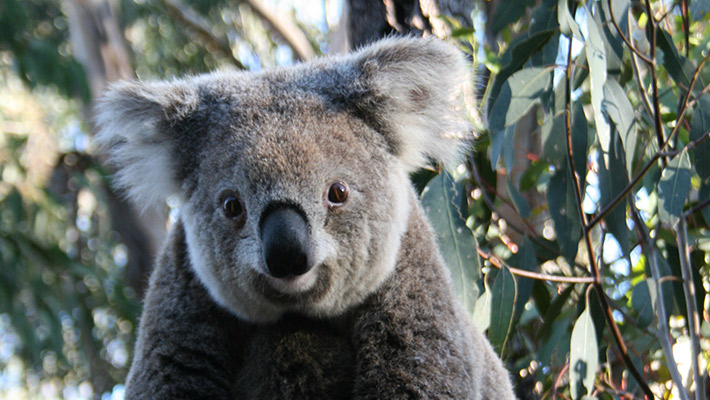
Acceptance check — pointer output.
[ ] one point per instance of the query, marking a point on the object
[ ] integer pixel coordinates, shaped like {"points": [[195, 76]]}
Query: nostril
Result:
{"points": [[286, 243]]}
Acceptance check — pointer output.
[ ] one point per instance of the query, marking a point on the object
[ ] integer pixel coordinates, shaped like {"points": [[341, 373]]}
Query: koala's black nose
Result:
{"points": [[286, 243]]}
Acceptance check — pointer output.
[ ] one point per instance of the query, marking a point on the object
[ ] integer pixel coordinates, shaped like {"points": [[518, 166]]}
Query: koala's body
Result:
{"points": [[301, 264]]}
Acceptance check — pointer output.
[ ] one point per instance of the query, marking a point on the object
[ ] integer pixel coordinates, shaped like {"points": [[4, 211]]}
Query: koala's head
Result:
{"points": [[293, 182]]}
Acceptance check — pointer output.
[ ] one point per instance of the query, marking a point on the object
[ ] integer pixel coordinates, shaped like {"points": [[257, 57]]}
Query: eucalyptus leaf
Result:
{"points": [[580, 134], [584, 356], [554, 148], [698, 9], [503, 295], [642, 302], [596, 57], [521, 205], [514, 59], [673, 188], [611, 183], [568, 26], [679, 68], [520, 92], [619, 109], [441, 199], [507, 12], [700, 126], [564, 212], [482, 311]]}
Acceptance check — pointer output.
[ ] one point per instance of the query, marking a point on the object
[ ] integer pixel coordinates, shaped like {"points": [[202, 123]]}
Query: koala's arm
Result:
{"points": [[187, 347], [411, 338]]}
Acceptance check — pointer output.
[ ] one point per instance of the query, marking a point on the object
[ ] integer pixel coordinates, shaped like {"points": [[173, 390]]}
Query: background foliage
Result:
{"points": [[577, 230]]}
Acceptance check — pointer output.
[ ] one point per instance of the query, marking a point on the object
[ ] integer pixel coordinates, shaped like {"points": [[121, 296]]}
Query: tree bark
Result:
{"points": [[98, 44]]}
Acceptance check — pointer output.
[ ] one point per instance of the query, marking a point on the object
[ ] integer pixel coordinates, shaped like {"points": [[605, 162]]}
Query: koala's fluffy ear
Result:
{"points": [[133, 122], [415, 88]]}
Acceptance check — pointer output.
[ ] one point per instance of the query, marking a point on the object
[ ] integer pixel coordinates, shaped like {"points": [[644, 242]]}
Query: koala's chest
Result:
{"points": [[296, 361]]}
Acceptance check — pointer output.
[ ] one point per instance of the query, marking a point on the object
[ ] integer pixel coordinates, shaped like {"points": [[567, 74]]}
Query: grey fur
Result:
{"points": [[375, 317]]}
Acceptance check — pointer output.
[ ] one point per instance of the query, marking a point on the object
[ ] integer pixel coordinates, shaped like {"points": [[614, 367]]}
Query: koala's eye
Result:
{"points": [[233, 207], [337, 194]]}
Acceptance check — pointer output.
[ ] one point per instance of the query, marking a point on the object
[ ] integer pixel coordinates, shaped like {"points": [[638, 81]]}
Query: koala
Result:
{"points": [[301, 265]]}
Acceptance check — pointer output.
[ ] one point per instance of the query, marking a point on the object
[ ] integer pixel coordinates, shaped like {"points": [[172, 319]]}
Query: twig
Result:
{"points": [[195, 22], [660, 153], [498, 263], [289, 31], [654, 80], [625, 39], [696, 208], [693, 318], [664, 336], [588, 237]]}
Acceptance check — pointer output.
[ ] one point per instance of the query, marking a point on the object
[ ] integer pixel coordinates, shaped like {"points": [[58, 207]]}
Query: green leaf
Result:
{"points": [[508, 12], [521, 205], [619, 109], [552, 313], [679, 68], [515, 57], [564, 212], [596, 56], [580, 135], [526, 260], [611, 183], [441, 199], [462, 32], [700, 125], [584, 356], [698, 9], [520, 92], [503, 294], [704, 193], [674, 187], [508, 150], [482, 311], [568, 26], [643, 303], [613, 43], [554, 140]]}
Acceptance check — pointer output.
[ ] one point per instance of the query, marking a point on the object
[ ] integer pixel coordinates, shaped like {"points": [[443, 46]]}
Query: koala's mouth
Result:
{"points": [[294, 290], [294, 284]]}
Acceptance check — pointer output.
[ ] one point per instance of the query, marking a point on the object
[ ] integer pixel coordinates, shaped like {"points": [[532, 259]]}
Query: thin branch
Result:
{"points": [[654, 79], [498, 263], [287, 29], [625, 39], [195, 22], [660, 153], [691, 305], [696, 208], [597, 283], [664, 336]]}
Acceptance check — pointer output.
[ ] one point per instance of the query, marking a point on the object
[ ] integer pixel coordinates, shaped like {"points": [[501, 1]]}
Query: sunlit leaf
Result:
{"points": [[674, 187], [441, 199], [584, 356], [568, 26], [482, 311], [611, 183], [619, 109], [596, 56]]}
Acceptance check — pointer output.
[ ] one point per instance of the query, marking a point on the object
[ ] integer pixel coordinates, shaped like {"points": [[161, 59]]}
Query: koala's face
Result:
{"points": [[294, 182], [296, 205]]}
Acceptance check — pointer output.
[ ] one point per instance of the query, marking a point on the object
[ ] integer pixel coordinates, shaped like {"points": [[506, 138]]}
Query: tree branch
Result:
{"points": [[196, 23], [597, 283], [498, 263], [693, 317], [289, 31], [664, 335]]}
